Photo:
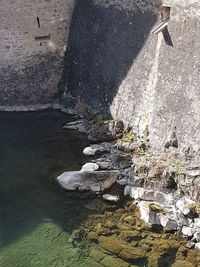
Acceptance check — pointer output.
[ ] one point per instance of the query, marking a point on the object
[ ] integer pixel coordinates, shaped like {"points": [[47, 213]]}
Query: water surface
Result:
{"points": [[36, 217]]}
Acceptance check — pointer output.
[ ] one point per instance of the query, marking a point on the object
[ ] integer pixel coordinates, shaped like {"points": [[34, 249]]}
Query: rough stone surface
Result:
{"points": [[90, 167], [106, 131], [89, 151], [33, 38], [93, 181], [118, 68]]}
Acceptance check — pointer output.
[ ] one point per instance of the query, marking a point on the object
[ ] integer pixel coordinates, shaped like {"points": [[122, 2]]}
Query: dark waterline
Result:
{"points": [[36, 217]]}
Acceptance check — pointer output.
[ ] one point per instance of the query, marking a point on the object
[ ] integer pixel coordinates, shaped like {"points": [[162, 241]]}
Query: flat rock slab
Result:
{"points": [[95, 181]]}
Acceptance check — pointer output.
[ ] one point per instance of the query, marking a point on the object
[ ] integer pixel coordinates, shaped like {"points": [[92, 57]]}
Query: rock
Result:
{"points": [[95, 181], [111, 198], [111, 244], [196, 236], [113, 261], [106, 131], [97, 254], [190, 244], [149, 195], [188, 231], [104, 165], [104, 147], [80, 125], [168, 223], [89, 151], [182, 263], [129, 219], [132, 253], [197, 246], [197, 223], [93, 236], [184, 204], [147, 215], [90, 167]]}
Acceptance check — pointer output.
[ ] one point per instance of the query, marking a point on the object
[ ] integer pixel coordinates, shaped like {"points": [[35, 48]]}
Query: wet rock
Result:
{"points": [[111, 244], [95, 204], [80, 125], [130, 236], [93, 236], [94, 181], [106, 131], [90, 167], [97, 254], [129, 219], [113, 261], [182, 263], [104, 165], [93, 263], [190, 244], [132, 253], [89, 151], [111, 198]]}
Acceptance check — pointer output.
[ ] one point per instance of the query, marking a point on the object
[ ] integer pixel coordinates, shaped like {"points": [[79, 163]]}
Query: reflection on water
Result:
{"points": [[36, 217]]}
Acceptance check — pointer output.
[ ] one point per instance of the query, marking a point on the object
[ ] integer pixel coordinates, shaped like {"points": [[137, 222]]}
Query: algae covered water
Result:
{"points": [[36, 217]]}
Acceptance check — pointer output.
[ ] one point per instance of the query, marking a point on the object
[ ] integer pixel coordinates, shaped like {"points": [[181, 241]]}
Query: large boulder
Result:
{"points": [[95, 181]]}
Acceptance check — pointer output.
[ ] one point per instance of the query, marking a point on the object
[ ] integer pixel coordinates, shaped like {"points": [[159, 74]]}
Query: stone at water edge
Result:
{"points": [[89, 167], [94, 181], [89, 151], [112, 198]]}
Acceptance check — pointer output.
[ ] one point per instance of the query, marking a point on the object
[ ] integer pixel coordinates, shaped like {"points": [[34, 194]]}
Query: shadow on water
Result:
{"points": [[34, 150], [103, 44]]}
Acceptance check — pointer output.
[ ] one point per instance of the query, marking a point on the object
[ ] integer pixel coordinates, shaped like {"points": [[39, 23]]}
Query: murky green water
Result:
{"points": [[43, 226], [36, 217]]}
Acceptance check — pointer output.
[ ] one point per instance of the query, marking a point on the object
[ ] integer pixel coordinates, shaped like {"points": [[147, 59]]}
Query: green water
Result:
{"points": [[36, 217]]}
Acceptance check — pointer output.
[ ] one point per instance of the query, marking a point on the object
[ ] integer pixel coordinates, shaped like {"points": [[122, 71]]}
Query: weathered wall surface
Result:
{"points": [[33, 36], [150, 81]]}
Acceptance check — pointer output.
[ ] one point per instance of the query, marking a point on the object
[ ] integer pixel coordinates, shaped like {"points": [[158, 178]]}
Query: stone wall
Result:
{"points": [[33, 37], [116, 66]]}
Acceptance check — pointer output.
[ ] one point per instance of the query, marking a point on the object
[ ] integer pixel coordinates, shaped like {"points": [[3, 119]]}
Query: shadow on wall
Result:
{"points": [[103, 43]]}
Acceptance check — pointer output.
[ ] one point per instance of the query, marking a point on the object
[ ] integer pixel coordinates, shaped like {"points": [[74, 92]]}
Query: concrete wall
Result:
{"points": [[33, 36], [150, 81]]}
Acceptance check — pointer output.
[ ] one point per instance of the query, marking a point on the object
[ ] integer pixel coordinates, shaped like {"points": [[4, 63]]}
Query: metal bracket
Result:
{"points": [[160, 27]]}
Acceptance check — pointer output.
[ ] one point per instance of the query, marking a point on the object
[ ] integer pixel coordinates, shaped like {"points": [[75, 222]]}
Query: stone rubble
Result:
{"points": [[160, 203]]}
